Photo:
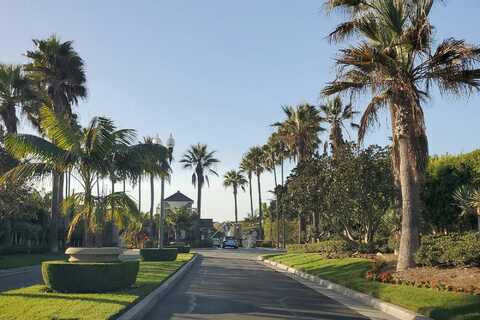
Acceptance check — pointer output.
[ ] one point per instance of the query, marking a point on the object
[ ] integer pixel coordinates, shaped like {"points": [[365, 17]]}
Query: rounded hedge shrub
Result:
{"points": [[65, 276], [165, 254]]}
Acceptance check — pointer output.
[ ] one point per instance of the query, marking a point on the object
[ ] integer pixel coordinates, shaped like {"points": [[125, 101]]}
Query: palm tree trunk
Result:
{"points": [[124, 186], [199, 200], [260, 211], [53, 230], [152, 196], [409, 240], [161, 216], [299, 229], [251, 195], [140, 193], [236, 208]]}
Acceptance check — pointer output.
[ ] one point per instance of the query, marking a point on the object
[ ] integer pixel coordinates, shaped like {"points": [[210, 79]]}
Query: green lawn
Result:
{"points": [[35, 303], [24, 260], [350, 273]]}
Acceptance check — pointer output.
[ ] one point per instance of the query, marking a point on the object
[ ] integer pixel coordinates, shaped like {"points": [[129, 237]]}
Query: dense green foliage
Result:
{"points": [[181, 247], [36, 303], [64, 276], [327, 248], [155, 254], [454, 249], [445, 174], [350, 272], [27, 259]]}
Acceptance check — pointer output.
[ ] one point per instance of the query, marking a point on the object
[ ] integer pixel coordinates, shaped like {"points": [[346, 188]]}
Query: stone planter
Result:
{"points": [[106, 254]]}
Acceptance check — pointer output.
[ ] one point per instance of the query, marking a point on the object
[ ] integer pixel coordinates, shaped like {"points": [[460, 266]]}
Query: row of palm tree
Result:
{"points": [[45, 89]]}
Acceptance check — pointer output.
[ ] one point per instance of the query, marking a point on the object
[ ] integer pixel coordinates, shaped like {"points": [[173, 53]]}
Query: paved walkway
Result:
{"points": [[229, 284]]}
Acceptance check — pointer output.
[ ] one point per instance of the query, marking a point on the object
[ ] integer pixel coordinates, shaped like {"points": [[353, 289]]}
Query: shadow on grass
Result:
{"points": [[469, 311], [48, 296]]}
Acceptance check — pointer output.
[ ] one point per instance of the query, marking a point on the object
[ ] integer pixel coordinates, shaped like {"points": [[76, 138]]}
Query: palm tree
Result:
{"points": [[235, 179], [396, 62], [57, 70], [16, 91], [300, 130], [468, 199], [247, 167], [201, 161], [257, 158], [87, 151], [335, 114]]}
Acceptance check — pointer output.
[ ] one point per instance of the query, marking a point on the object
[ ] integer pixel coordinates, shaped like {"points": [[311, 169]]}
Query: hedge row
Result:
{"points": [[65, 276], [328, 248], [165, 254], [455, 249], [180, 246], [22, 250]]}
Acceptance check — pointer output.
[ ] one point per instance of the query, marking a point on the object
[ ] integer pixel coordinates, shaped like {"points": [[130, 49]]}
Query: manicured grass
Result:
{"points": [[350, 272], [25, 260], [36, 303]]}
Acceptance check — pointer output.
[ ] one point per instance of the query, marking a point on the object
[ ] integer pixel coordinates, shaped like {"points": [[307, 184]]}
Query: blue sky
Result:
{"points": [[217, 72]]}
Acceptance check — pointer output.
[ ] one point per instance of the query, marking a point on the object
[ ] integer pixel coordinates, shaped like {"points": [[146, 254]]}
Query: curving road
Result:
{"points": [[230, 284]]}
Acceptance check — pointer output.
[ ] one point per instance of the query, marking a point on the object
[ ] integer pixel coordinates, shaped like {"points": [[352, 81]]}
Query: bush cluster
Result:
{"points": [[455, 249], [165, 254], [65, 276], [327, 248], [181, 247]]}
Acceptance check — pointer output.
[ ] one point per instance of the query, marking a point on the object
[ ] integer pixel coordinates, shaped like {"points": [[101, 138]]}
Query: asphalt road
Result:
{"points": [[229, 284], [18, 278]]}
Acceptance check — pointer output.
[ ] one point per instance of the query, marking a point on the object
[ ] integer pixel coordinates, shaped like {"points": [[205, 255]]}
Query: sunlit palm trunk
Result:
{"points": [[236, 208], [251, 194], [139, 193], [410, 189], [161, 216], [152, 203], [53, 230], [260, 211]]}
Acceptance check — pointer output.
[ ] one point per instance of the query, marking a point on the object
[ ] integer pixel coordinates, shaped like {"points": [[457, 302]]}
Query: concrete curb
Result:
{"points": [[144, 306], [388, 308]]}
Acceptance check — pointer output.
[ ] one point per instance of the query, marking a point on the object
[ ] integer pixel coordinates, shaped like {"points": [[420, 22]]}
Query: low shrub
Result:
{"points": [[455, 249], [149, 244], [65, 276], [22, 250], [327, 248], [264, 244], [181, 247], [165, 254], [205, 243]]}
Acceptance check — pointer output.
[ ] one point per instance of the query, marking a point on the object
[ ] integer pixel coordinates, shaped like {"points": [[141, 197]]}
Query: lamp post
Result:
{"points": [[170, 145]]}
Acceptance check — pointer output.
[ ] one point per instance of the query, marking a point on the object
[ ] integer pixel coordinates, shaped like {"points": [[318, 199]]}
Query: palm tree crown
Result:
{"points": [[235, 179], [202, 162]]}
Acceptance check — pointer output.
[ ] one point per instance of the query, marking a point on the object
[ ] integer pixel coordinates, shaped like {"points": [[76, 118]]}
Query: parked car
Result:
{"points": [[230, 242]]}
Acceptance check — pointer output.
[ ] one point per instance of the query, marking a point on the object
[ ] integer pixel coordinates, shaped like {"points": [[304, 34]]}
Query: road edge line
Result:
{"points": [[386, 307], [144, 306]]}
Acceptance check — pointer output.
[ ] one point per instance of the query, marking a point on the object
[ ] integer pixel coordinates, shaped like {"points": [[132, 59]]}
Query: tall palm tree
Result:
{"points": [[247, 167], [202, 162], [16, 91], [235, 179], [335, 114], [256, 156], [396, 61], [300, 130], [58, 70]]}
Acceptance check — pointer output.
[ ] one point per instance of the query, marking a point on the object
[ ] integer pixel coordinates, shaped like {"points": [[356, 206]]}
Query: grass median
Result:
{"points": [[350, 272], [36, 303], [25, 260]]}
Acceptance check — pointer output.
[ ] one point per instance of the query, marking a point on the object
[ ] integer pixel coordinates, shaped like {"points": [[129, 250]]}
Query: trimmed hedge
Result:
{"points": [[264, 243], [22, 250], [327, 248], [165, 254], [180, 246], [454, 249], [65, 276]]}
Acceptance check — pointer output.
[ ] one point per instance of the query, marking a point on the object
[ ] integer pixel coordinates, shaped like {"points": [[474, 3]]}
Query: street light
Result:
{"points": [[170, 145]]}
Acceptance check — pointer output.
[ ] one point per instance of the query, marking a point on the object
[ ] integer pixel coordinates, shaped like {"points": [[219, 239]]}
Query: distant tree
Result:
{"points": [[202, 162], [256, 157], [236, 180]]}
